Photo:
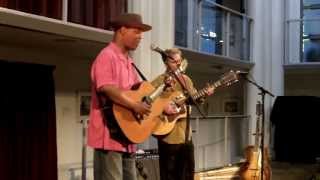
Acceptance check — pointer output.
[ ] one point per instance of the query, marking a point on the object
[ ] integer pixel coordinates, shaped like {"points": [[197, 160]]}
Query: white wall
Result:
{"points": [[268, 55], [303, 84], [210, 137]]}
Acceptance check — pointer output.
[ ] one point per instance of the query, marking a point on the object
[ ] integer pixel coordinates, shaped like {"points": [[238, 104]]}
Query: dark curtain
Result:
{"points": [[95, 13], [297, 121], [3, 3], [48, 8], [28, 149]]}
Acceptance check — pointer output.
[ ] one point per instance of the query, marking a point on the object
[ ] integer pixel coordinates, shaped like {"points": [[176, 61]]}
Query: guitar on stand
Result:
{"points": [[251, 169]]}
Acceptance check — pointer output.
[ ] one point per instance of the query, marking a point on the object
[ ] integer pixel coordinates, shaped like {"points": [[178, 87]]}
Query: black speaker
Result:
{"points": [[296, 120]]}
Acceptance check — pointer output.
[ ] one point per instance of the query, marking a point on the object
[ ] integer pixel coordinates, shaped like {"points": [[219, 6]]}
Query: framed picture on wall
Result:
{"points": [[84, 100], [231, 106]]}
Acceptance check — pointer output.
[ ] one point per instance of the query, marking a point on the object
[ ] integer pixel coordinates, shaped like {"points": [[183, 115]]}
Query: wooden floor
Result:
{"points": [[280, 171], [229, 172]]}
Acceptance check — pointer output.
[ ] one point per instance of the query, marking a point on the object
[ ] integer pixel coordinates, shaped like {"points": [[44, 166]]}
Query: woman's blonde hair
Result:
{"points": [[173, 51]]}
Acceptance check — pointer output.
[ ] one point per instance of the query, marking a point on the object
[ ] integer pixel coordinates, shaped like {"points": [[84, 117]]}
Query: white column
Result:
{"points": [[160, 15], [276, 72], [142, 56], [268, 55], [257, 11], [277, 48]]}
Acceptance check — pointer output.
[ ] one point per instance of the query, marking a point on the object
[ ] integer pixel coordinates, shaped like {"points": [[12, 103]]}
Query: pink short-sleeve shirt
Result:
{"points": [[110, 67]]}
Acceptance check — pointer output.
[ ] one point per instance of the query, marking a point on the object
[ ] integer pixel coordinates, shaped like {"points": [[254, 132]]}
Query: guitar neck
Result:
{"points": [[228, 79], [157, 92], [202, 92]]}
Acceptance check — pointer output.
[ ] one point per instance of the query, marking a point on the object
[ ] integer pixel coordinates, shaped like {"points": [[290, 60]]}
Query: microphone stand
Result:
{"points": [[262, 94]]}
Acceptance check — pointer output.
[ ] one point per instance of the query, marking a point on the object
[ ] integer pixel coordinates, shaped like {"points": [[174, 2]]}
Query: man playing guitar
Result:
{"points": [[176, 151]]}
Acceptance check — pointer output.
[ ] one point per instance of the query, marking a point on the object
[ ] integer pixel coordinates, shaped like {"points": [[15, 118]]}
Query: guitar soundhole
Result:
{"points": [[136, 86]]}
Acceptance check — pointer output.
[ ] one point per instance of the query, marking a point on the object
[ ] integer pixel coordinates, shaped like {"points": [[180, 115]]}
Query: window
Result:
{"points": [[181, 24], [311, 31], [213, 27], [211, 40]]}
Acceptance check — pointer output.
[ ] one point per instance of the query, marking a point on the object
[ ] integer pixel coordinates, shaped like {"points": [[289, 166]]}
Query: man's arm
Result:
{"points": [[119, 96]]}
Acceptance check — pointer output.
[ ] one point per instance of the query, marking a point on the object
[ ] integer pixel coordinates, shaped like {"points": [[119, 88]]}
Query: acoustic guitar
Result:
{"points": [[138, 129], [251, 169], [167, 123]]}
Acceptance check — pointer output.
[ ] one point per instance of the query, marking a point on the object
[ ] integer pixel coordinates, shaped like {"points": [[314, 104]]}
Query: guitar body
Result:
{"points": [[138, 130], [251, 170], [167, 123]]}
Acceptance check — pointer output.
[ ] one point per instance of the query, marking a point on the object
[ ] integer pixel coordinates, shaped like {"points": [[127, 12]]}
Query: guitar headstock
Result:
{"points": [[226, 80], [229, 78]]}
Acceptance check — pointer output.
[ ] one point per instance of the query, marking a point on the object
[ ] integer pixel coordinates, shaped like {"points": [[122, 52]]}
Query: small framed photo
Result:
{"points": [[231, 106], [84, 100]]}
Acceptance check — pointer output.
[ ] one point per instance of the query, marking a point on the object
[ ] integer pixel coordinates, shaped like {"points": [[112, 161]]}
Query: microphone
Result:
{"points": [[160, 51], [243, 73]]}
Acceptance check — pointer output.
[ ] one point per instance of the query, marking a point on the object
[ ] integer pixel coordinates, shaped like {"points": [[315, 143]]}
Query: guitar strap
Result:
{"points": [[187, 91], [139, 72], [187, 130], [110, 121]]}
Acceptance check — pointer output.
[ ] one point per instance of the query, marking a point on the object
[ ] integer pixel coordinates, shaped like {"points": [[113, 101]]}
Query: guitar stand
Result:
{"points": [[262, 94]]}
